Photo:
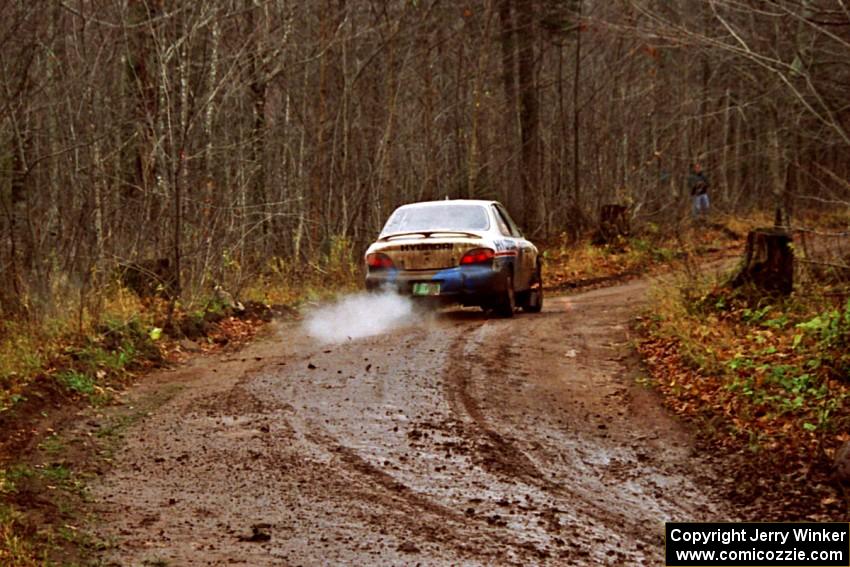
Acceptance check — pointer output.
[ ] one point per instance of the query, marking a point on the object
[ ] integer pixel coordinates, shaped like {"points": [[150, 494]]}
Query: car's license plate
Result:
{"points": [[426, 288]]}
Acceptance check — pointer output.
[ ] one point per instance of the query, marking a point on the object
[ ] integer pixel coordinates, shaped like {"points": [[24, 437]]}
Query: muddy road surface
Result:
{"points": [[457, 440]]}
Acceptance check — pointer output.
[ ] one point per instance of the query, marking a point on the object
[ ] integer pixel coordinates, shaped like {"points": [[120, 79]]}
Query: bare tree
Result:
{"points": [[218, 137]]}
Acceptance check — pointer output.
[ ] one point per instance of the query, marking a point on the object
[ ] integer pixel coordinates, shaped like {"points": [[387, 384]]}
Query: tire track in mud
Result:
{"points": [[484, 361], [431, 512], [446, 524], [464, 440], [472, 536], [503, 458]]}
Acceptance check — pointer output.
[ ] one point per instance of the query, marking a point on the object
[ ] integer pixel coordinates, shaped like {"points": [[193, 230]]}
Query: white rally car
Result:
{"points": [[462, 251]]}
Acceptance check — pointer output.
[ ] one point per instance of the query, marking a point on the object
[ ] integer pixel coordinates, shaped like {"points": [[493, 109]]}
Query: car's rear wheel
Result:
{"points": [[533, 298], [506, 304]]}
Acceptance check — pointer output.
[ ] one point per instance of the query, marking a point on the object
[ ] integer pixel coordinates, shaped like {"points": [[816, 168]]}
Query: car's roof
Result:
{"points": [[450, 202]]}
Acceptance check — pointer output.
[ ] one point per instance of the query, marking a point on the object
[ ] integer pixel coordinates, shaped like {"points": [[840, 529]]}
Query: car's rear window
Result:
{"points": [[437, 217]]}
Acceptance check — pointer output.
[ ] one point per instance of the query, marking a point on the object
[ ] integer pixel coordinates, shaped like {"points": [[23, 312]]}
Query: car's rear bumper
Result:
{"points": [[469, 285]]}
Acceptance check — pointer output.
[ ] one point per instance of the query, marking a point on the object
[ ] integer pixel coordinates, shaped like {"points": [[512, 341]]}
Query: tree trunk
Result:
{"points": [[577, 117], [529, 117], [778, 166], [508, 50]]}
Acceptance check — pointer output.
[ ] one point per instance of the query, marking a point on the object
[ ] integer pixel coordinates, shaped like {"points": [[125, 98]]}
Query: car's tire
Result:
{"points": [[533, 298], [506, 303]]}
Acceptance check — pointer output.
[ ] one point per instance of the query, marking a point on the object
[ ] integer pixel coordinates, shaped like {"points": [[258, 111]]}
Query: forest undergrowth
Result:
{"points": [[52, 367], [765, 378], [580, 265]]}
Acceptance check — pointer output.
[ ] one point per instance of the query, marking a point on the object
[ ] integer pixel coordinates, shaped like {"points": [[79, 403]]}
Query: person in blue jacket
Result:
{"points": [[698, 184]]}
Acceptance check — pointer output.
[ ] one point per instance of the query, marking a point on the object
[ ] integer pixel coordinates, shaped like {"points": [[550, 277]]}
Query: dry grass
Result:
{"points": [[285, 282], [15, 549], [570, 262], [32, 348], [29, 348]]}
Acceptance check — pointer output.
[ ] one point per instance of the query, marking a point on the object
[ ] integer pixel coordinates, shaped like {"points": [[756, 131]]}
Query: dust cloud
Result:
{"points": [[361, 315]]}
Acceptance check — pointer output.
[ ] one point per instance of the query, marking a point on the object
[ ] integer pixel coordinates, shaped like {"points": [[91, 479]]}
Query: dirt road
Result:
{"points": [[460, 440]]}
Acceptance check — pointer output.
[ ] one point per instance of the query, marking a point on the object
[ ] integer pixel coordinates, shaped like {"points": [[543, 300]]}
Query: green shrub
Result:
{"points": [[76, 382]]}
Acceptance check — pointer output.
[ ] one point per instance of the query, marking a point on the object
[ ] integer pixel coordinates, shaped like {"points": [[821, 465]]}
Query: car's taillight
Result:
{"points": [[378, 261], [478, 256]]}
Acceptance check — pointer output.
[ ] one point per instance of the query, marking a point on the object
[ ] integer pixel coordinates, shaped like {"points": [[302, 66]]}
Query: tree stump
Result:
{"points": [[841, 463], [150, 278], [768, 262], [613, 223]]}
